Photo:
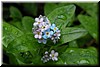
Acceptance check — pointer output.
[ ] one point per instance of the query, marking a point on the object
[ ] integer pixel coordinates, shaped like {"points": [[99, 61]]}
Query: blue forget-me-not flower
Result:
{"points": [[44, 30]]}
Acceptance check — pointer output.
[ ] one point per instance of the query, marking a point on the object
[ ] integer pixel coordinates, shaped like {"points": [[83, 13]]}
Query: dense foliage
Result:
{"points": [[77, 22]]}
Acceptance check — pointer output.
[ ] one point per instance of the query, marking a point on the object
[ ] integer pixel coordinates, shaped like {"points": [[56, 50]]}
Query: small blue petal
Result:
{"points": [[44, 36], [57, 28], [53, 25], [39, 41], [51, 32], [44, 41], [48, 30]]}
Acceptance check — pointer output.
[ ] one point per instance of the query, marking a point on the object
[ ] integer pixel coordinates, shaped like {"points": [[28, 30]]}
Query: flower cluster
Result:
{"points": [[52, 56], [44, 30]]}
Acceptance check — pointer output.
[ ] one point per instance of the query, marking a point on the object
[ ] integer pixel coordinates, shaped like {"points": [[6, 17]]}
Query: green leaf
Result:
{"points": [[9, 33], [17, 24], [90, 8], [20, 62], [75, 56], [18, 59], [27, 23], [90, 25], [49, 7], [61, 15], [19, 42], [15, 13], [23, 43], [37, 60], [71, 33], [12, 59]]}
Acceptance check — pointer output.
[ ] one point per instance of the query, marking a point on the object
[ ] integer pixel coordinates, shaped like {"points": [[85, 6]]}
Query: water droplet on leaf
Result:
{"points": [[94, 35], [83, 62], [61, 17], [82, 53], [71, 51], [6, 28], [87, 52], [65, 63]]}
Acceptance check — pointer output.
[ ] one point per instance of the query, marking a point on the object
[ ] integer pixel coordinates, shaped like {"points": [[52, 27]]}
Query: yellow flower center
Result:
{"points": [[38, 33], [43, 27], [38, 22], [52, 55], [47, 33], [55, 28]]}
